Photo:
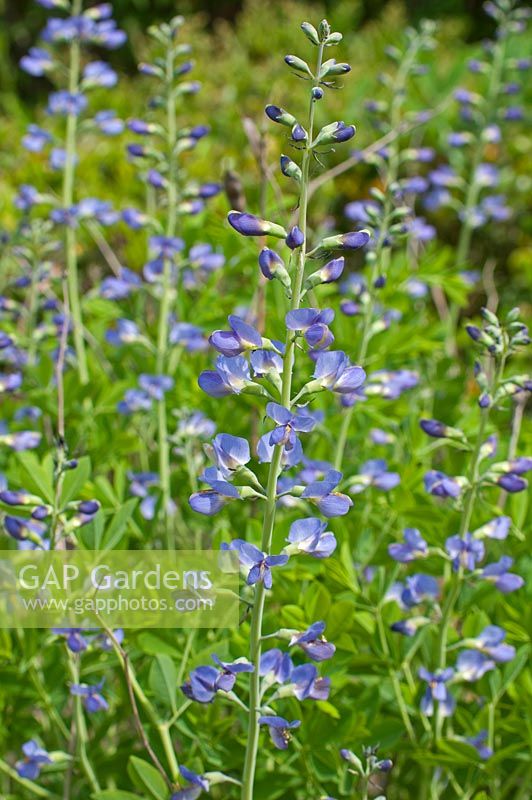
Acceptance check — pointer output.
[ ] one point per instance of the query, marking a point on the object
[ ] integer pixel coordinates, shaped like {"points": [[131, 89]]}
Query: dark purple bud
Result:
{"points": [[379, 282], [277, 114], [484, 400], [346, 241], [272, 266], [510, 483], [295, 238], [317, 93], [40, 512], [474, 332], [249, 225], [299, 134], [290, 168], [433, 427], [88, 507]]}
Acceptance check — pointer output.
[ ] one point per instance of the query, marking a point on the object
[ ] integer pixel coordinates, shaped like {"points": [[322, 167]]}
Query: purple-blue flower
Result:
{"points": [[67, 103], [329, 502], [498, 574], [491, 642], [497, 528], [279, 730], [156, 385], [307, 684], [35, 757], [231, 376], [479, 743], [437, 691], [313, 323], [374, 473], [310, 535], [313, 643], [239, 339], [231, 452], [257, 564], [416, 589], [35, 139], [289, 424], [210, 501], [466, 552], [334, 371], [275, 666], [414, 547], [198, 784], [93, 700], [441, 485], [471, 665]]}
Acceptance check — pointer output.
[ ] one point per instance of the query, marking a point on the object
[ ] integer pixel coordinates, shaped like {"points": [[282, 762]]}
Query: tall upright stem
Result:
{"points": [[167, 293], [81, 728], [465, 520], [68, 201], [382, 254], [248, 779], [474, 187]]}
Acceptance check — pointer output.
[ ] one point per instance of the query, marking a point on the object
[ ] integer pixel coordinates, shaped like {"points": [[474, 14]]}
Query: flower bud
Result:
{"points": [[327, 274], [295, 238], [277, 114], [317, 93], [346, 241], [249, 225], [335, 132], [331, 68], [310, 32], [324, 30], [290, 168], [298, 64], [299, 134], [272, 266], [334, 38]]}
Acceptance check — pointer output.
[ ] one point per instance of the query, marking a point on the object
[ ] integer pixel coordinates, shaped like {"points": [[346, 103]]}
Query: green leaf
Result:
{"points": [[147, 778], [37, 478], [114, 794], [163, 680], [116, 530], [74, 480], [462, 752], [152, 644], [512, 670]]}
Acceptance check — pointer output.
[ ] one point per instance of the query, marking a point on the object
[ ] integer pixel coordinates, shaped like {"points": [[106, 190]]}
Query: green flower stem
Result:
{"points": [[81, 728], [29, 786], [47, 700], [68, 200], [162, 726], [395, 680], [167, 295], [250, 762], [474, 188], [382, 254], [469, 505], [517, 421]]}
